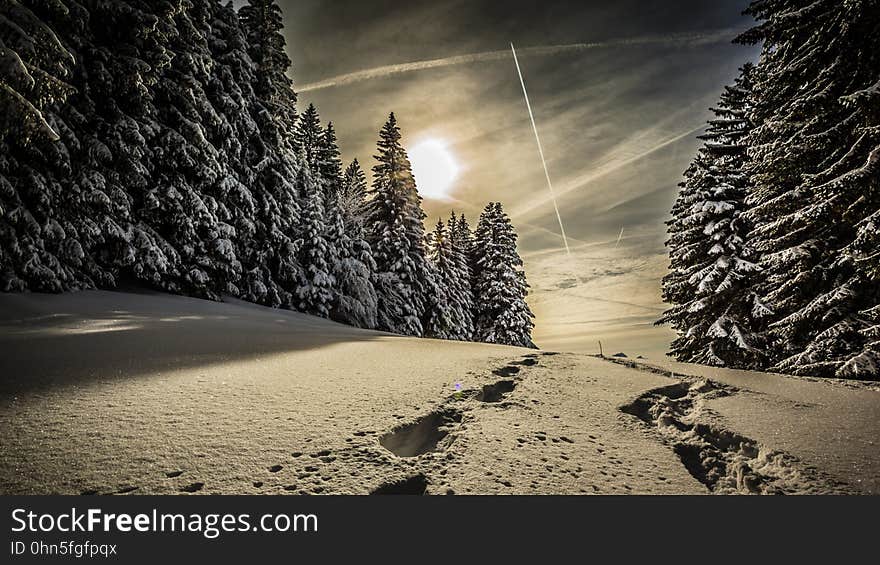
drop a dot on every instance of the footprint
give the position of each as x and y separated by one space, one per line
414 485
172 474
126 489
422 436
275 468
507 371
194 487
497 391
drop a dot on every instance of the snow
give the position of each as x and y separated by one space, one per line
831 424
113 392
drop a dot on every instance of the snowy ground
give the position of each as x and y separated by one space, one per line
147 393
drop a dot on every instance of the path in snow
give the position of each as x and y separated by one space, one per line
148 393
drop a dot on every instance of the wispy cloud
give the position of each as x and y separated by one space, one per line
606 168
683 39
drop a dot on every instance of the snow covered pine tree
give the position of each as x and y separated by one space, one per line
351 266
70 225
449 315
353 192
307 136
166 148
396 232
181 204
460 242
815 166
500 288
34 68
356 301
273 270
713 311
315 291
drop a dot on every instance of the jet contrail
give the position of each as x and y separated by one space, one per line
540 149
604 170
619 237
690 39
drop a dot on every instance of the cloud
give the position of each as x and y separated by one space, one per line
606 168
683 39
617 119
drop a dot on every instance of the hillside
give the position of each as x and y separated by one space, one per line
109 392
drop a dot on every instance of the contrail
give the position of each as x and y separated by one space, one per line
540 149
606 169
619 237
688 39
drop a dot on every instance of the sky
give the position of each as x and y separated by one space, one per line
620 91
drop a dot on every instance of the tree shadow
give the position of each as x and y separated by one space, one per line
49 340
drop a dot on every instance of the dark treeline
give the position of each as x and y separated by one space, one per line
775 236
160 142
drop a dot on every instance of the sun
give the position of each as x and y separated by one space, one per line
434 168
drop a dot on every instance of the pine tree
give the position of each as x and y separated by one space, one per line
307 137
463 242
356 299
330 167
463 235
165 168
439 322
711 268
170 152
115 108
237 137
866 362
274 272
814 157
319 149
449 312
34 66
482 234
316 255
88 180
34 70
395 233
263 24
502 314
353 192
182 204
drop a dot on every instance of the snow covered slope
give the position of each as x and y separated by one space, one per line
833 425
108 392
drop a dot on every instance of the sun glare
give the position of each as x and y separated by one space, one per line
434 167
